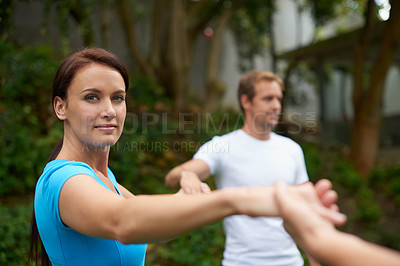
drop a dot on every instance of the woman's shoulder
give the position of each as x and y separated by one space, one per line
63 169
58 164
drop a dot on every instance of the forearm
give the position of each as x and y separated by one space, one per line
338 248
154 218
196 166
159 217
173 177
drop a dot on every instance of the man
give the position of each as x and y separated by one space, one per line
250 156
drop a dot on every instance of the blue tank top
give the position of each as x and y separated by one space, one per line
64 245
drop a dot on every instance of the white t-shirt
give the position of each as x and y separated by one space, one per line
237 159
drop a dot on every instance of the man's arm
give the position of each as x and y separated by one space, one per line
189 177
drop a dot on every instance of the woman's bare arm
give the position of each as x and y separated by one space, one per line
93 210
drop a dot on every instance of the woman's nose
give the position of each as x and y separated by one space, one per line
108 110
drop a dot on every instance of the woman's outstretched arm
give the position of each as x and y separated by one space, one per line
91 209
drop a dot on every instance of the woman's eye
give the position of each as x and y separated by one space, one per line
91 97
119 98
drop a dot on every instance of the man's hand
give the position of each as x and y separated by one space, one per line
191 183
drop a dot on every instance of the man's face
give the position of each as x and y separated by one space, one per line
265 107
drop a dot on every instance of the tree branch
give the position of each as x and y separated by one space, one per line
105 23
361 53
123 8
389 47
157 18
84 26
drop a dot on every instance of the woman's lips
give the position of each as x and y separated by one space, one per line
106 127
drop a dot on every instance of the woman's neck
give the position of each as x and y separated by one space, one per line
95 156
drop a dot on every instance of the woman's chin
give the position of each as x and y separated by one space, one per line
103 144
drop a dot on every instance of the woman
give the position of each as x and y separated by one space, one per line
83 216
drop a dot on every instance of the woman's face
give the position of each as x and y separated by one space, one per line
95 109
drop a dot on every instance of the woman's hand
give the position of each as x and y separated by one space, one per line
313 208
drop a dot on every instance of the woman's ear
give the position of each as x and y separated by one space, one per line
59 106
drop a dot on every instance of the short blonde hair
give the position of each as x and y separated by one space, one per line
248 80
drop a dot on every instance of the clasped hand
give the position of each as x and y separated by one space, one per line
313 208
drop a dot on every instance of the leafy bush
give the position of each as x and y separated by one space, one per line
14 234
368 209
146 92
387 180
25 80
313 161
346 175
371 203
202 247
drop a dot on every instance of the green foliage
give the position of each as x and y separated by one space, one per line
81 11
323 10
252 26
371 204
25 80
201 247
313 161
220 122
387 180
346 175
5 17
368 209
146 92
14 234
394 189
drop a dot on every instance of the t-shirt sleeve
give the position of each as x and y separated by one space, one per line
53 184
210 152
301 171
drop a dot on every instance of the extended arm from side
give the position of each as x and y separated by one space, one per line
91 209
309 226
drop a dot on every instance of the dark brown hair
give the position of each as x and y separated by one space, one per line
250 79
62 81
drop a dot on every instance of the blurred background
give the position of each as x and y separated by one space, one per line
339 59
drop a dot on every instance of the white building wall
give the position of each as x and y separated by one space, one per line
339 107
391 102
291 29
229 71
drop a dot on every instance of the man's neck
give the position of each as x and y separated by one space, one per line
259 134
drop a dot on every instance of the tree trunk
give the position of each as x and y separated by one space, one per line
368 102
215 88
282 127
271 35
124 12
105 23
364 140
177 54
175 26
